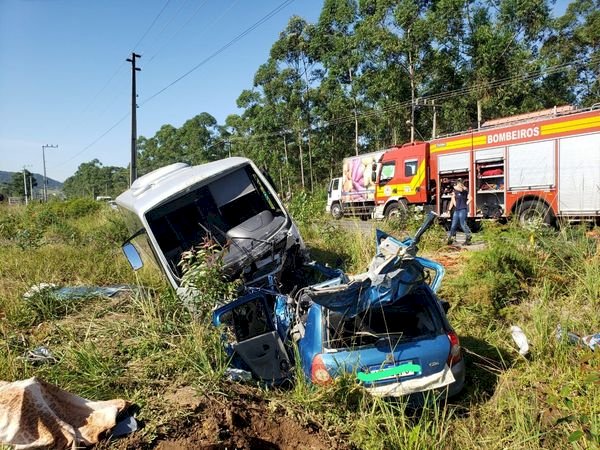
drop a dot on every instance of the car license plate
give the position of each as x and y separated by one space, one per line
390 371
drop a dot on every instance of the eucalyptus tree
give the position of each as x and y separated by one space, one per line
335 47
196 137
92 179
159 150
572 54
293 55
502 50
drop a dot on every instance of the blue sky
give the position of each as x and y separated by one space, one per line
64 79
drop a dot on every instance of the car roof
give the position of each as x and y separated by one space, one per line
161 184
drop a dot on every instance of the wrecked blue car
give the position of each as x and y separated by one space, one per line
386 327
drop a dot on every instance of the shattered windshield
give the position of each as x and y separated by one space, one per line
211 210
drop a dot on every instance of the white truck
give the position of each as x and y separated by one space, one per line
177 207
353 194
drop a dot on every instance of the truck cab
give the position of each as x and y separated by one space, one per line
334 198
230 202
401 179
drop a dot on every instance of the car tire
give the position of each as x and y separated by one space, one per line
336 211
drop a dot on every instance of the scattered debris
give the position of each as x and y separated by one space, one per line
39 355
572 338
76 292
591 341
38 414
520 339
38 289
125 426
234 374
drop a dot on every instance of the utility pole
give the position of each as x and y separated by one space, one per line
25 185
434 131
133 165
44 147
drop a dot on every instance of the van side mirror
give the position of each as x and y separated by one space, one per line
374 173
132 255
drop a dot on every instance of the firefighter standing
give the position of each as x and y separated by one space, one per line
460 201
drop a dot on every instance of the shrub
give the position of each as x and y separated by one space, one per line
203 275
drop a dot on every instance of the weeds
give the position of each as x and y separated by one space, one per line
142 345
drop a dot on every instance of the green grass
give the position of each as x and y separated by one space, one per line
139 346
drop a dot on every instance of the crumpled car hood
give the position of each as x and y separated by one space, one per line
392 274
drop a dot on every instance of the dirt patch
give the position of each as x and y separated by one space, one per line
244 421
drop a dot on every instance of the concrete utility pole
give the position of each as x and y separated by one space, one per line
44 147
133 165
25 185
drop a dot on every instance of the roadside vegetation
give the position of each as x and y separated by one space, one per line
145 347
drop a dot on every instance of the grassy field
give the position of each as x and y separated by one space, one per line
146 348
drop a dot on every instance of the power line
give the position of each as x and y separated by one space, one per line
207 59
204 28
166 41
222 49
91 144
152 24
105 86
441 96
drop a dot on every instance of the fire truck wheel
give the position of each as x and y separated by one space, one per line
336 211
395 211
534 213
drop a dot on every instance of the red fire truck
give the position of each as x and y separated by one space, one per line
540 166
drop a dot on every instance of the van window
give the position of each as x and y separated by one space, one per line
335 184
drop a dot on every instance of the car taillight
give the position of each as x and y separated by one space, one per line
455 354
318 371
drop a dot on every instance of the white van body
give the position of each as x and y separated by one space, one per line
178 207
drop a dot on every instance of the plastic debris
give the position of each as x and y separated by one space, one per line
125 426
520 339
38 289
233 374
591 341
76 292
39 355
571 338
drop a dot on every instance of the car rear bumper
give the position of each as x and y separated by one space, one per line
452 379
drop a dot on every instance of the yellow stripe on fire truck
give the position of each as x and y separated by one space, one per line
404 189
570 125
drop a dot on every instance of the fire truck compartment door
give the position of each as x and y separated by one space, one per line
579 174
531 165
456 161
490 153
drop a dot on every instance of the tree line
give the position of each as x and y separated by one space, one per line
367 71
